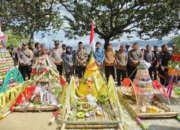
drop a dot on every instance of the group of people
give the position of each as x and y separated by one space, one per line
124 61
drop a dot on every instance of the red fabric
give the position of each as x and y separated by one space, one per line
126 82
62 81
34 72
175 59
92 33
157 85
11 108
27 94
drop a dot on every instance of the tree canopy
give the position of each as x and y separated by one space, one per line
27 17
13 40
113 18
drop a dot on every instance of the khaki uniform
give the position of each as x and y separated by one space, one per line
25 56
57 55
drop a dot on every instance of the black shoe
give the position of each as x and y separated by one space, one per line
118 84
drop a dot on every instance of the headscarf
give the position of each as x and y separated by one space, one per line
70 52
99 55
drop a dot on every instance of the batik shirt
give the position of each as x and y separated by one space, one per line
81 55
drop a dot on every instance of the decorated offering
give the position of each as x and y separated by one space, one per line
173 76
45 89
88 99
140 99
92 82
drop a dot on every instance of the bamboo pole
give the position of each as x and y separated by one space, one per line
89 127
64 118
119 109
64 124
90 122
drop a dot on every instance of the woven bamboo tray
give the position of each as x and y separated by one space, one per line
146 115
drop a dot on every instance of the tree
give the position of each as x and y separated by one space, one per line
13 40
153 18
27 17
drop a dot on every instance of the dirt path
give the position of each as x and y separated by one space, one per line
28 121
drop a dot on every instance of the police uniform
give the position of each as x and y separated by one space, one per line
163 61
25 56
56 55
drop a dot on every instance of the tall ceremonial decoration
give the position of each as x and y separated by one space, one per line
11 79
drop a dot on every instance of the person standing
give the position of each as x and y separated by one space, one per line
36 51
134 55
121 63
150 58
164 57
64 47
127 51
14 56
25 60
81 57
56 56
156 63
69 59
64 51
109 61
174 47
99 56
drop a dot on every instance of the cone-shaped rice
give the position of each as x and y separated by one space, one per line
92 82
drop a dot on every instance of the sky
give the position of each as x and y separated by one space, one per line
48 40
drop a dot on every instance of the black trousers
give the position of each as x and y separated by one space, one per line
109 69
150 72
132 72
128 70
81 70
59 68
119 73
163 73
155 70
25 70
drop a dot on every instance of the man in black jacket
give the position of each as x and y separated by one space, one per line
14 56
156 63
164 57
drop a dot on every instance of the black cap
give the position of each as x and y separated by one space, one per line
109 44
63 44
56 42
24 44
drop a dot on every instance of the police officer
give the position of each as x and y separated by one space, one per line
56 56
164 57
36 51
25 60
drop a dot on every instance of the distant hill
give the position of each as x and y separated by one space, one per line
144 43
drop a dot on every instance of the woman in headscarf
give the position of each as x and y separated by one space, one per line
99 56
69 59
